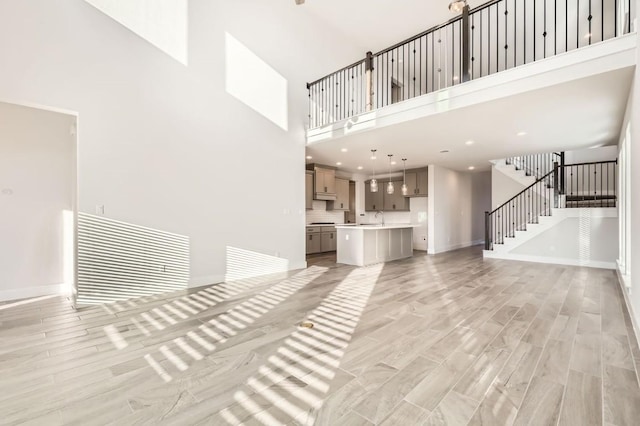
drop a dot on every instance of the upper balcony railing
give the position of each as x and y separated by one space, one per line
490 38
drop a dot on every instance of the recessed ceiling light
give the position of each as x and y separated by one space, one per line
444 151
587 35
373 157
469 143
338 164
455 78
522 133
344 150
471 168
393 163
309 157
360 167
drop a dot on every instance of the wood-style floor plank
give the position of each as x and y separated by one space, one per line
448 339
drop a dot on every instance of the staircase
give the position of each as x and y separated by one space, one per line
584 192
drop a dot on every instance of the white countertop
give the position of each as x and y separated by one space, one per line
376 226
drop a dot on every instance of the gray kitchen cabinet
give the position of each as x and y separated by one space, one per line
373 201
325 184
395 201
342 196
314 243
308 182
417 183
328 242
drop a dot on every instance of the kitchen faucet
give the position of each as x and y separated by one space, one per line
381 213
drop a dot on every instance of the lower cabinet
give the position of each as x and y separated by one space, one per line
313 243
321 240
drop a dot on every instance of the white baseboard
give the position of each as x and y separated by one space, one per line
27 292
205 280
452 247
624 281
216 279
553 260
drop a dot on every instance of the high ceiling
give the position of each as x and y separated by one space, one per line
376 24
578 114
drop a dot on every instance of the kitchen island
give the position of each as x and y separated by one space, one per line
363 245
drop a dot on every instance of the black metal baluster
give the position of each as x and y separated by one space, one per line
555 27
566 25
506 36
578 24
414 68
473 45
534 30
601 20
497 40
481 45
544 28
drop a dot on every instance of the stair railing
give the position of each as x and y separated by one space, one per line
525 207
589 184
536 165
578 185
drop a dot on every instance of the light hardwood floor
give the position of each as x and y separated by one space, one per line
450 339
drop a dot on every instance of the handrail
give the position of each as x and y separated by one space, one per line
521 192
591 163
355 64
422 34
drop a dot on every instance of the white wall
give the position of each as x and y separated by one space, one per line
503 187
457 202
321 214
37 184
165 145
603 153
585 240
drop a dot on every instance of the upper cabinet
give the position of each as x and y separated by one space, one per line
417 183
325 182
342 196
395 201
373 201
308 185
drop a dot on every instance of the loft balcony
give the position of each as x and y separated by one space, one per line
506 43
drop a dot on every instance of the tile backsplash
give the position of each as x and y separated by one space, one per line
321 214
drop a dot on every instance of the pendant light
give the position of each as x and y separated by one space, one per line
390 188
374 183
405 188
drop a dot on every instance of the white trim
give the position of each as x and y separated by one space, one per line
623 280
205 281
27 292
40 106
208 280
490 254
457 246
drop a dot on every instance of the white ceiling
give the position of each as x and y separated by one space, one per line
376 24
579 114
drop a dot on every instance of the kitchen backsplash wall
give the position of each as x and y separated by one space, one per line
321 214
